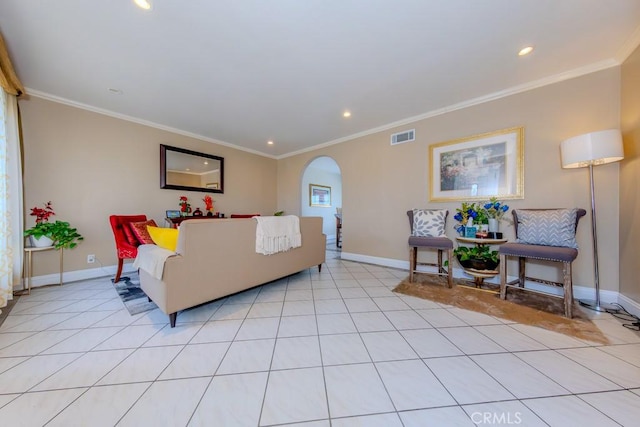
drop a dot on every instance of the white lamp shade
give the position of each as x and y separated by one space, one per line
595 148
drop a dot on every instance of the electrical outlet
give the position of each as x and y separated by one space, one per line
91 259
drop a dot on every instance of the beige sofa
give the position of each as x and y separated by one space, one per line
217 257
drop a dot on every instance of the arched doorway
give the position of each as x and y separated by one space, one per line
323 174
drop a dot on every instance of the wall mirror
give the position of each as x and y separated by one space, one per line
182 169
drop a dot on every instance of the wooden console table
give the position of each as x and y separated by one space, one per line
175 222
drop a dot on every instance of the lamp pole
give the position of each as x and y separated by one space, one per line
595 304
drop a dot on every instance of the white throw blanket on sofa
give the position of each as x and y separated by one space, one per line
151 259
277 234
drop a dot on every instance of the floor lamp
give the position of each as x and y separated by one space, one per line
589 150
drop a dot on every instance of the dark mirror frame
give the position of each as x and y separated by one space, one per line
163 170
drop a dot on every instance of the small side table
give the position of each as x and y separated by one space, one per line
28 266
480 275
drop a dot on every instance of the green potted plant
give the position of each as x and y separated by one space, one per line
45 233
479 257
482 218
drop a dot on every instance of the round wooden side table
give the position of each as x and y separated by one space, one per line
480 275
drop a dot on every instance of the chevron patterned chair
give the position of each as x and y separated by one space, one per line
546 235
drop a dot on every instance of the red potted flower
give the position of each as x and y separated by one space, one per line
208 204
185 206
46 233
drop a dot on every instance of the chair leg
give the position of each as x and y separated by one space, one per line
503 276
521 271
449 268
413 254
568 290
119 272
440 270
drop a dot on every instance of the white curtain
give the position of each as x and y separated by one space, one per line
11 241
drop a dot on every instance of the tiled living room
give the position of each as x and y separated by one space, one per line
316 349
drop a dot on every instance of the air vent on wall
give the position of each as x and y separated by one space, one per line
406 136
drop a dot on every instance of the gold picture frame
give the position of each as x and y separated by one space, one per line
319 196
478 167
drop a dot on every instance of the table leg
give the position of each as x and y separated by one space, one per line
29 271
479 281
61 262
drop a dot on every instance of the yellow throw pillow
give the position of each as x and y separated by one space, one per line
166 238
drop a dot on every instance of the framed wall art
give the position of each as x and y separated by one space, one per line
319 196
478 167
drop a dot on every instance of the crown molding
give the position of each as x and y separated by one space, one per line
628 47
54 98
567 75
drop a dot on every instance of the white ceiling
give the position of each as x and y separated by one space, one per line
243 72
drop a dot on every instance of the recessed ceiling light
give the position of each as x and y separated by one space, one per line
206 162
525 51
143 4
346 114
270 142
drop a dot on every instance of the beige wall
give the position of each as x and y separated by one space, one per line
92 166
374 203
630 178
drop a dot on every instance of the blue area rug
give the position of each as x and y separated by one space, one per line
132 296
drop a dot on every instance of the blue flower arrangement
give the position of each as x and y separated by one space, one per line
495 209
468 210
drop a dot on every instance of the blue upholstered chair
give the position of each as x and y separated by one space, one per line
439 243
547 235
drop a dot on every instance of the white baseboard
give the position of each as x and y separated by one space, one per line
628 304
74 276
579 292
385 262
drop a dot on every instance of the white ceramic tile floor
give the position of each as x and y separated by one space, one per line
335 348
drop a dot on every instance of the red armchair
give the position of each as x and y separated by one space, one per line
125 246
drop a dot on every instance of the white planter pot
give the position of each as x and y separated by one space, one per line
493 225
41 242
